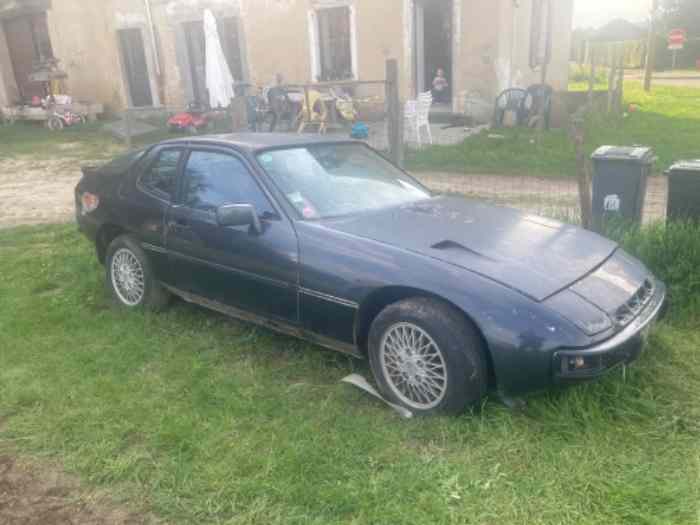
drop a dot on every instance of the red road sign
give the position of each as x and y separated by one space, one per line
677 37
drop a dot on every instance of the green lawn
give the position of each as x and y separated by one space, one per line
206 420
86 142
668 120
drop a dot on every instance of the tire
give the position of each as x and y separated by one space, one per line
55 123
450 374
134 285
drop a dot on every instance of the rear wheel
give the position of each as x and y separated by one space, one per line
130 276
426 356
55 123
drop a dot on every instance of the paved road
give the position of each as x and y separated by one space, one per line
682 79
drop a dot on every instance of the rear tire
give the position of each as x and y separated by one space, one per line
426 356
130 276
55 123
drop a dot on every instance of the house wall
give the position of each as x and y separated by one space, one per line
478 52
83 38
277 39
519 22
8 87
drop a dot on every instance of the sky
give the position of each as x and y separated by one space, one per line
595 13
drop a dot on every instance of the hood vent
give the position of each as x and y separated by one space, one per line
452 245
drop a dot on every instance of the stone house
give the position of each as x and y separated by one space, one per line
151 52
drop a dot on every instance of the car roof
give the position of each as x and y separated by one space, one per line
260 141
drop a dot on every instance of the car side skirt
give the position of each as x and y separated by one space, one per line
266 322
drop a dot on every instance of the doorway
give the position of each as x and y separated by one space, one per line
433 28
196 55
135 67
29 44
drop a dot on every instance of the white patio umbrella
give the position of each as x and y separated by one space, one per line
219 77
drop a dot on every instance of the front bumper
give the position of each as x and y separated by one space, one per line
622 348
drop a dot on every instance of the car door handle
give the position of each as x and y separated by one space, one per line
179 225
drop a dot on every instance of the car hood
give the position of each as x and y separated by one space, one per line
533 255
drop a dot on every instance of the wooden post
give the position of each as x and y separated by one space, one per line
620 101
541 124
651 47
582 169
591 80
307 101
127 128
612 54
394 113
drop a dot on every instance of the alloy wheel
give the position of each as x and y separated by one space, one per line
413 366
128 277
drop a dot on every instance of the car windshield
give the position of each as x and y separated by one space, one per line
330 180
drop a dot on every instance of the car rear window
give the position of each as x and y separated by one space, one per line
124 162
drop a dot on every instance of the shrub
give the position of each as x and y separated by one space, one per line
581 73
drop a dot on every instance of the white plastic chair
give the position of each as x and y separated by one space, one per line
417 116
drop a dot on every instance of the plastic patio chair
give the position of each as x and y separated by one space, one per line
417 116
537 96
512 99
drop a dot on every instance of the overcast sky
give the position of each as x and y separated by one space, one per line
595 13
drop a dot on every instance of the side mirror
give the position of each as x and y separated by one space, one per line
238 215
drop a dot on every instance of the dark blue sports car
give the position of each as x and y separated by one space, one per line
328 241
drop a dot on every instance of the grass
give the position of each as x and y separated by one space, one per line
88 141
205 420
668 120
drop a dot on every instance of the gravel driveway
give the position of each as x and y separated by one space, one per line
37 192
41 191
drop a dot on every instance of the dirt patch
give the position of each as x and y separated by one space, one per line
33 495
37 192
41 191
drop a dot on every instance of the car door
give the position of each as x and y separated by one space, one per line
148 194
236 266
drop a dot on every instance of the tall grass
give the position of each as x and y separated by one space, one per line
672 252
201 419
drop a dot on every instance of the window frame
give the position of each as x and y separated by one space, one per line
315 38
180 202
151 159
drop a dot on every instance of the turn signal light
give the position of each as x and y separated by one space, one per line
89 202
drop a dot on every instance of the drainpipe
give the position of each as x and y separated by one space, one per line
152 32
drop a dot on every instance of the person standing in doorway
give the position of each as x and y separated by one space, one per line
440 87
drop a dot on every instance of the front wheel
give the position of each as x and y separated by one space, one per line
131 278
426 356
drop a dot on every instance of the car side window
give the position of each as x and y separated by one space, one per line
214 179
161 176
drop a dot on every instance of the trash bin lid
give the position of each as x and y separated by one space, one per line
638 154
686 165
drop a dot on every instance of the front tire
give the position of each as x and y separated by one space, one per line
130 276
426 356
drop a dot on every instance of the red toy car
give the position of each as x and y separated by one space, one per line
192 121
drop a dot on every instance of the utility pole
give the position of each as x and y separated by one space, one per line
651 47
